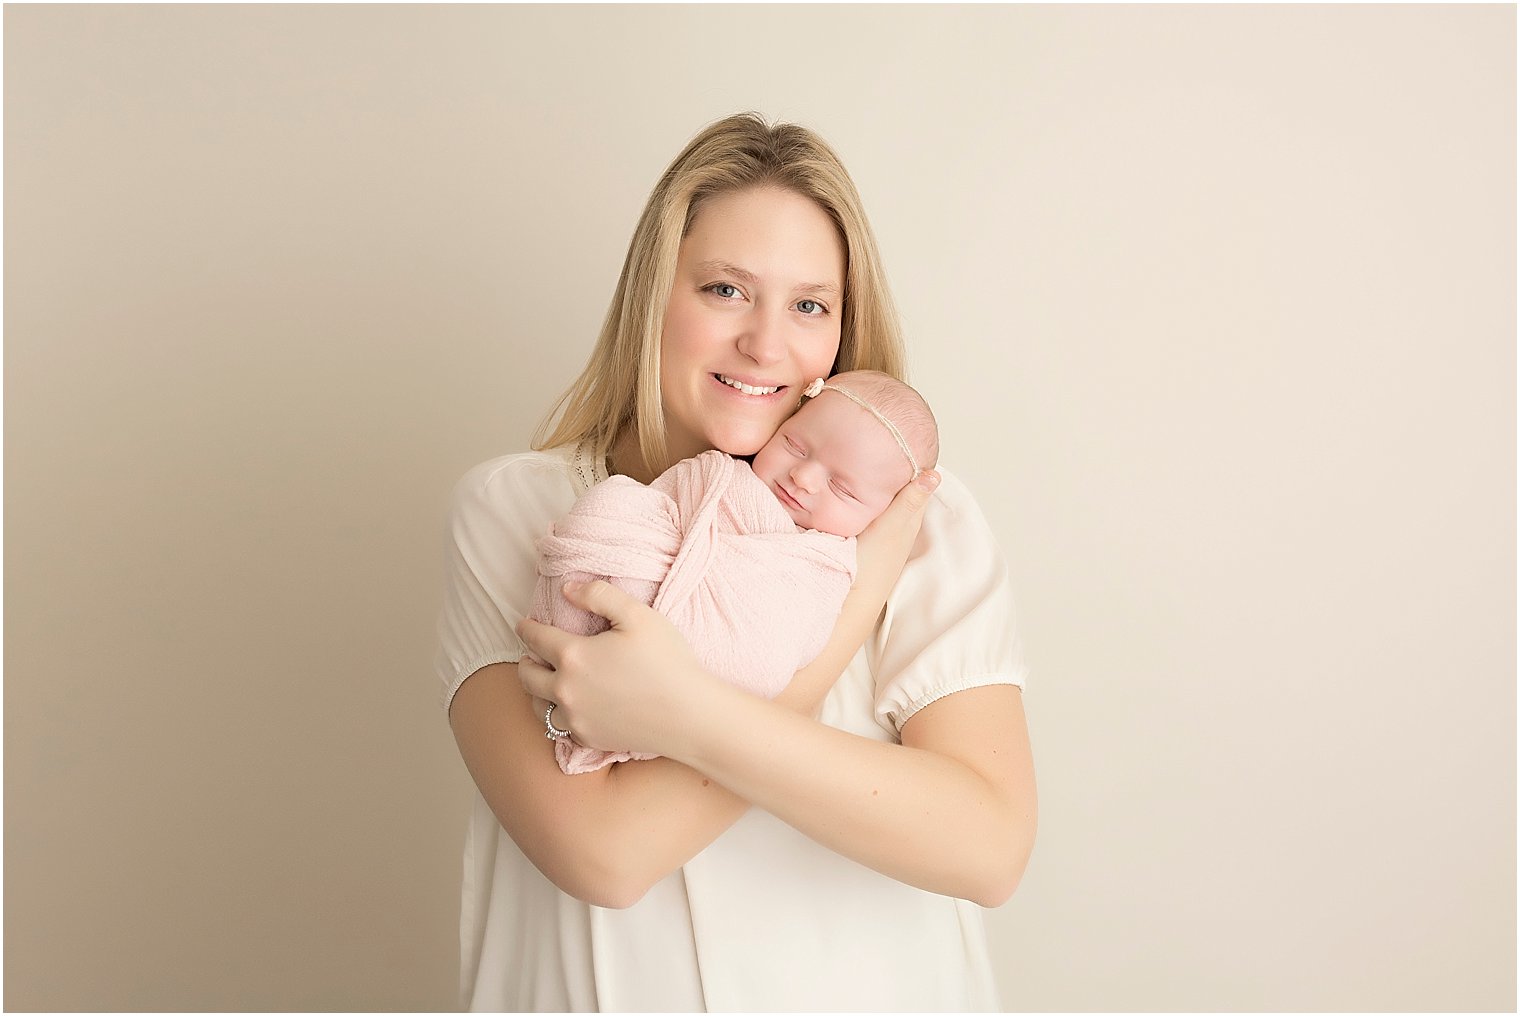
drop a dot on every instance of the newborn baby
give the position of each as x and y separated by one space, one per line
750 563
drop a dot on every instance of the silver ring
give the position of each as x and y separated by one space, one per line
552 732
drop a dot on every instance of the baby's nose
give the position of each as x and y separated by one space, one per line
805 475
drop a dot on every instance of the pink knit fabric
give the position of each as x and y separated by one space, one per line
709 546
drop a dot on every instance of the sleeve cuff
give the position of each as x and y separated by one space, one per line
501 656
901 716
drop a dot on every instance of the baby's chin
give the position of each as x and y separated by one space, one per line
807 523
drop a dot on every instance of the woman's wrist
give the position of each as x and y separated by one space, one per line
714 709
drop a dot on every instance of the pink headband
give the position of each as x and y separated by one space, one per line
816 387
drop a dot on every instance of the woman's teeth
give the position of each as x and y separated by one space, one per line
747 389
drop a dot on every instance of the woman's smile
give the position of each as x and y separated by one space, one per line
750 388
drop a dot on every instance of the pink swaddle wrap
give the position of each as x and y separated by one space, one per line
709 546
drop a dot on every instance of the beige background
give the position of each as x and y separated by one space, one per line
1217 308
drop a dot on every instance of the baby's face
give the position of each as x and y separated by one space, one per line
833 466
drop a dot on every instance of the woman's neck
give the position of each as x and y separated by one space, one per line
625 459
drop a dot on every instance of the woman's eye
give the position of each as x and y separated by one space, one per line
812 308
725 290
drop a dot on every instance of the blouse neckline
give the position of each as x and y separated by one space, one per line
589 468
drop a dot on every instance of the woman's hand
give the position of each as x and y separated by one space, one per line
880 553
883 549
634 687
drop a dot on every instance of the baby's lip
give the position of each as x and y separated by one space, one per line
788 499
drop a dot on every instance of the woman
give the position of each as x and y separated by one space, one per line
769 861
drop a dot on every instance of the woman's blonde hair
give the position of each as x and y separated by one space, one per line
620 385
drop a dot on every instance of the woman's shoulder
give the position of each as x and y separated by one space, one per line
521 482
577 465
517 467
954 525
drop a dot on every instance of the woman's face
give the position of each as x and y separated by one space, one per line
757 303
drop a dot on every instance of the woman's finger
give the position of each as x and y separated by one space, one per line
604 599
537 680
912 498
905 514
543 640
887 542
541 706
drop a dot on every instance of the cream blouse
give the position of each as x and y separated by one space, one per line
764 919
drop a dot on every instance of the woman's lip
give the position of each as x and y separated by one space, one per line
749 379
717 380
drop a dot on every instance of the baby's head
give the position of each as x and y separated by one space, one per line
836 464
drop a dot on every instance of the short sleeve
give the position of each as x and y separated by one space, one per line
949 623
500 509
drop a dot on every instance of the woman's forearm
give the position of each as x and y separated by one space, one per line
676 811
605 836
959 826
955 815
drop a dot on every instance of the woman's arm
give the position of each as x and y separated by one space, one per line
607 836
599 836
951 809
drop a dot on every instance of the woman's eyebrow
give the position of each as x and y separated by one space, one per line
749 277
728 267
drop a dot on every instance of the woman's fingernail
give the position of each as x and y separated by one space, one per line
928 479
572 586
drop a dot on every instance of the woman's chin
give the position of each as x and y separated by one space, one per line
739 442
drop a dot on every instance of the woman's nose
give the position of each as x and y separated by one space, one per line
762 340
